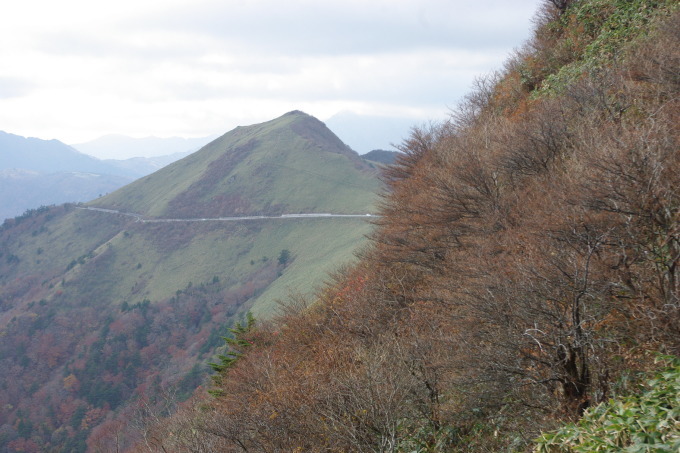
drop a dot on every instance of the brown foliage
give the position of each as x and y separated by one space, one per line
527 257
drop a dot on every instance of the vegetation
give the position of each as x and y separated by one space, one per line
522 276
235 344
103 318
524 270
648 421
292 164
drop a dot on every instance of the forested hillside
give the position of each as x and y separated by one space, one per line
524 269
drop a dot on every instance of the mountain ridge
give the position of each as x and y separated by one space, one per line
524 273
254 170
36 172
98 309
47 156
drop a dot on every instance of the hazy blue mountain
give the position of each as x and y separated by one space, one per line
142 166
36 172
47 156
21 189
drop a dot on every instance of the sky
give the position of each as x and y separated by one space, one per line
75 70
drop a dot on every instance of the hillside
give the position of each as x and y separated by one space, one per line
523 273
292 164
99 310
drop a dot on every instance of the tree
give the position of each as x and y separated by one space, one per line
284 256
235 344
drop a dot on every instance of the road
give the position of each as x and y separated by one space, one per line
142 219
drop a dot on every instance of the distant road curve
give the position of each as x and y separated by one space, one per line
140 218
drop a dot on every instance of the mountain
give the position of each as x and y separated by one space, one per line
141 166
293 164
364 133
46 156
100 307
521 289
35 172
381 156
21 190
122 147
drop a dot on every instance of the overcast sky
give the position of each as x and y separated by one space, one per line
78 69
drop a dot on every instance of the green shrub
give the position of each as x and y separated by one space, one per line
646 422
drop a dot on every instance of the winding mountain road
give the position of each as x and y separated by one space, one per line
142 219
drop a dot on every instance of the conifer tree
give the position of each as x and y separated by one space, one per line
234 344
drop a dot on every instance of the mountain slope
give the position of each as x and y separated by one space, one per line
98 309
525 269
291 164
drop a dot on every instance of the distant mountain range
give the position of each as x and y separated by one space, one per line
25 189
99 309
35 172
136 167
381 156
47 156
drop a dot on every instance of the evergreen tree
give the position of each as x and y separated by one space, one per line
234 344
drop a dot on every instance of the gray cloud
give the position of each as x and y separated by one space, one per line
332 28
271 36
74 43
341 79
199 63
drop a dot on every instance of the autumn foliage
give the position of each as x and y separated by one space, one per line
524 268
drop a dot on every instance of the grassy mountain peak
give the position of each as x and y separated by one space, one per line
290 164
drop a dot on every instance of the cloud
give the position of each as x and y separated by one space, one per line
152 47
195 67
350 27
13 87
299 28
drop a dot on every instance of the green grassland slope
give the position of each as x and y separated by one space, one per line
98 310
288 165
